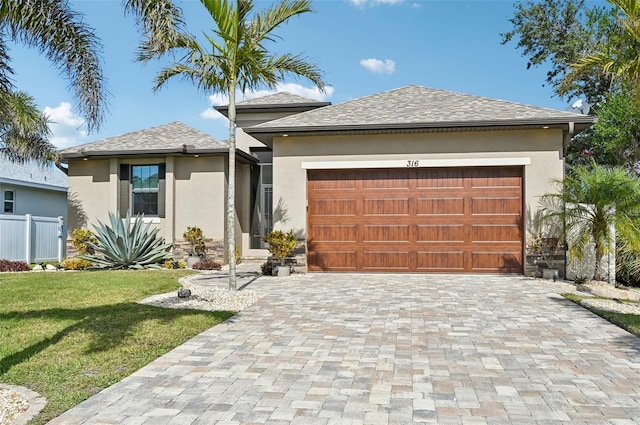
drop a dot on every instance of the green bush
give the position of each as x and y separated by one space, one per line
75 264
195 237
128 245
173 265
281 244
79 239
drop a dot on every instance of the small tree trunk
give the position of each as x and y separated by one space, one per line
231 190
598 256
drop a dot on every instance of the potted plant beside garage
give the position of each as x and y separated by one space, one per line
195 237
281 245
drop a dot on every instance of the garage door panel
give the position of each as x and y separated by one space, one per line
429 220
440 179
496 233
440 206
385 233
332 207
496 205
334 233
385 207
386 260
450 233
385 180
497 262
440 261
333 261
495 178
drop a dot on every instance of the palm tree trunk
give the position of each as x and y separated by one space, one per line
598 258
231 189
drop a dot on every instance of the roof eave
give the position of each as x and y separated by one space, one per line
580 123
294 107
34 185
186 150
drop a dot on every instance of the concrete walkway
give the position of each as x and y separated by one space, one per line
389 349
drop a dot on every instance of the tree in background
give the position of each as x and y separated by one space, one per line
235 57
619 54
62 36
560 34
557 33
615 139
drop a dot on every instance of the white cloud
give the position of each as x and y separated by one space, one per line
378 66
363 3
293 88
65 125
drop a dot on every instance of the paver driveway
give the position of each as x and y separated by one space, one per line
389 349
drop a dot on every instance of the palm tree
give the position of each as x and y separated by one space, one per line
620 57
24 129
62 36
235 58
592 199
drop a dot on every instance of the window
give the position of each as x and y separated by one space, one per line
144 189
9 201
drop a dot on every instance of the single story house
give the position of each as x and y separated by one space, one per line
409 180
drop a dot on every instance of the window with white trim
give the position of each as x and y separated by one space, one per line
9 198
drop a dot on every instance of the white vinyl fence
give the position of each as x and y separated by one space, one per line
31 239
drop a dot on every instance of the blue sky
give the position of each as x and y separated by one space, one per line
363 47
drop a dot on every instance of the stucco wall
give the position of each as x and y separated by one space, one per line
199 195
542 147
88 193
195 193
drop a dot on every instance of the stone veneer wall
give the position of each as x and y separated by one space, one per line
215 249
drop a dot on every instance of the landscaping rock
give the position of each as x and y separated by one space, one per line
184 293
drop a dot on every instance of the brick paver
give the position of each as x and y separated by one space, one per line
389 349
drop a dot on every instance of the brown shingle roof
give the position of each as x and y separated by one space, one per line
418 107
175 137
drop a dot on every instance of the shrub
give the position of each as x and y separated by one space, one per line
267 268
75 264
128 245
13 266
175 265
207 264
195 237
281 244
79 239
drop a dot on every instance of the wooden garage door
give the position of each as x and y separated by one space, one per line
453 220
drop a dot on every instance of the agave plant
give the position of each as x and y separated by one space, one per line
127 245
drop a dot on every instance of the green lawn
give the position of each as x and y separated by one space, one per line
629 322
67 335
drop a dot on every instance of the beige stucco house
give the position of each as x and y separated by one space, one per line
410 180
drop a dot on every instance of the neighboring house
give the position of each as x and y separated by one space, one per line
30 188
40 192
410 180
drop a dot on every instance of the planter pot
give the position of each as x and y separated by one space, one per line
550 273
191 261
283 271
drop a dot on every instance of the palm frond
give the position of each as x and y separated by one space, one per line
61 34
160 21
24 130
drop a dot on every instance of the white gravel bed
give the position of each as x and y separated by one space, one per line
611 305
209 299
11 405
